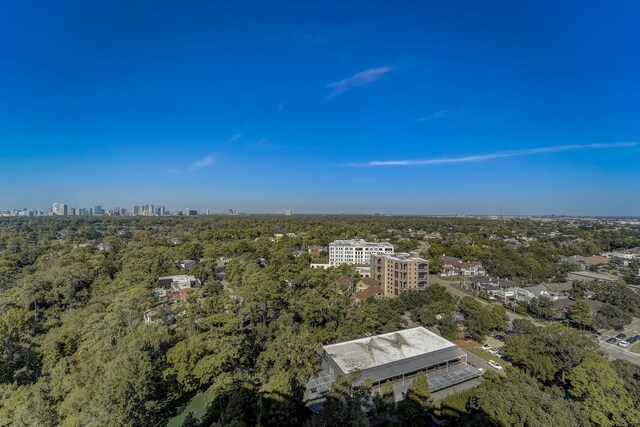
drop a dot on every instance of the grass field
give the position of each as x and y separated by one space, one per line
635 348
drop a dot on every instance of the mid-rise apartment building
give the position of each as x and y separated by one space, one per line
356 251
399 272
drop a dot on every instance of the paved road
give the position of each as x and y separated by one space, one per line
479 362
612 350
618 352
451 287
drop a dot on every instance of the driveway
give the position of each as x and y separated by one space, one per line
479 362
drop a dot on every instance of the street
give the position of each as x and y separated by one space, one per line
612 350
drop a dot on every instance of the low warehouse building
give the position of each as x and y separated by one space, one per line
398 357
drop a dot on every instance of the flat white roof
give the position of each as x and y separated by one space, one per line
379 350
360 242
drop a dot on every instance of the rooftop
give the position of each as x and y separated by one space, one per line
401 256
359 242
379 350
592 275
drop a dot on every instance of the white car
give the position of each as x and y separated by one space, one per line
485 347
481 371
494 365
493 351
623 344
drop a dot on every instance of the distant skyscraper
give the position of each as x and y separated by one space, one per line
54 208
287 212
209 211
98 210
62 209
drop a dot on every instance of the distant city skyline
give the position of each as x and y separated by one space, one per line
399 108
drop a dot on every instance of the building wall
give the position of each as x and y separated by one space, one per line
398 273
355 251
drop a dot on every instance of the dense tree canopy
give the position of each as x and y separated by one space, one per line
74 349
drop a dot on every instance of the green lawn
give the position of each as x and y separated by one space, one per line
635 348
486 356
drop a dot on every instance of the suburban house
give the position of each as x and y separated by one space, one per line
455 267
169 284
566 304
315 251
516 294
491 285
373 291
585 263
187 263
366 282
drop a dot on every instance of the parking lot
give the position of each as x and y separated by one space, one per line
631 330
612 348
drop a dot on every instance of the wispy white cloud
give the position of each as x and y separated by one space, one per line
358 79
201 164
491 156
235 136
440 114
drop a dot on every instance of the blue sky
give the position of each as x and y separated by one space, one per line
336 107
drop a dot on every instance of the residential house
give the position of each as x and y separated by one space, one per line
566 304
177 283
455 267
315 251
491 285
187 263
372 291
366 282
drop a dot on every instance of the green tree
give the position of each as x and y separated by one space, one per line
384 403
601 393
520 401
349 400
549 353
448 327
581 314
417 403
18 360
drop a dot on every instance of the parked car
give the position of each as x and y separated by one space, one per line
485 347
623 344
612 340
481 371
499 337
621 336
631 340
494 365
493 351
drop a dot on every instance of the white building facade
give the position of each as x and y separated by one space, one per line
356 251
